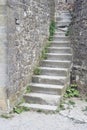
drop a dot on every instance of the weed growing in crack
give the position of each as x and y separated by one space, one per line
39 110
67 33
20 109
71 103
72 91
62 107
28 89
51 30
37 71
6 116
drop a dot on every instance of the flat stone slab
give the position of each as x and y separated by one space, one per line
77 111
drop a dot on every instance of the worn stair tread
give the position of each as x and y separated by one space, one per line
40 107
50 77
57 61
42 95
62 29
55 54
59 47
59 31
46 85
42 98
55 41
50 68
61 36
62 21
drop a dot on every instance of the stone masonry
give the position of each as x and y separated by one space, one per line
79 42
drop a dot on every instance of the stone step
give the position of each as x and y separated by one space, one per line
40 98
65 14
59 56
38 107
62 18
60 34
61 23
62 29
60 44
53 71
45 79
55 63
47 88
58 38
61 38
59 49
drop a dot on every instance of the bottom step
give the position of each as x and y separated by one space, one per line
40 107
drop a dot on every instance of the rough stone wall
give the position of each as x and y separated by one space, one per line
27 32
79 42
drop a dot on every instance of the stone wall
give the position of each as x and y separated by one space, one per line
27 31
79 42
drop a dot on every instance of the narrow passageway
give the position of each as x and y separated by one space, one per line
48 87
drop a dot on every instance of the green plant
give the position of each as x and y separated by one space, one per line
48 44
71 103
44 55
51 30
28 90
37 71
62 107
39 110
46 50
67 33
6 116
20 109
72 91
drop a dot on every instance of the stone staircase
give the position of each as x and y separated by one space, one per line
48 88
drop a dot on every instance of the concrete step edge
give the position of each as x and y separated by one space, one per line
40 107
57 61
51 68
50 77
55 41
47 86
59 54
59 48
42 95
